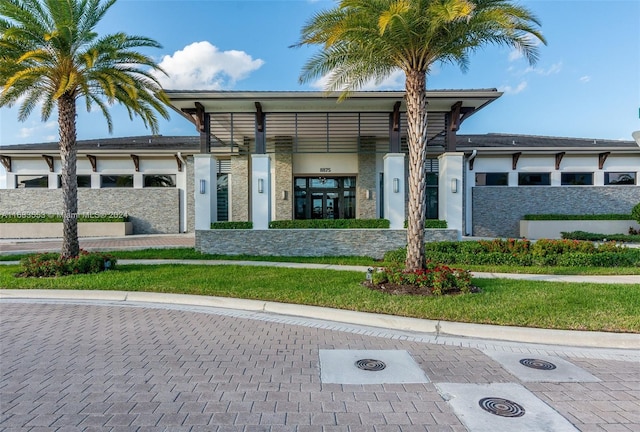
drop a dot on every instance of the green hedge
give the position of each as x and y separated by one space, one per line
525 253
431 223
582 235
56 218
329 224
231 225
533 217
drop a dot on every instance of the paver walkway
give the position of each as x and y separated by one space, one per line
100 366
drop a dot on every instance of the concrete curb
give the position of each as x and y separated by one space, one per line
389 322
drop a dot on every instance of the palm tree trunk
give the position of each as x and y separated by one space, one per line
67 129
416 100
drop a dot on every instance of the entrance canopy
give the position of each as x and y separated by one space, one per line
315 122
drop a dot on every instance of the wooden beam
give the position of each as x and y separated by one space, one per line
49 160
6 162
259 117
94 162
454 124
200 123
559 157
514 160
602 158
396 116
136 162
179 162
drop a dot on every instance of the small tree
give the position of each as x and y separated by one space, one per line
51 54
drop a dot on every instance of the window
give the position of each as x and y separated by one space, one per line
84 181
159 180
222 196
619 178
492 179
32 181
116 181
534 179
576 179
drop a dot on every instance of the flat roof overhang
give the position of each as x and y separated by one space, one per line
299 102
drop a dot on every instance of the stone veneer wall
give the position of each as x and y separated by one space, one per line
239 188
283 182
190 197
311 242
366 208
152 211
497 210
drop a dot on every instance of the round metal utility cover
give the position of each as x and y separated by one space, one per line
537 364
501 407
370 365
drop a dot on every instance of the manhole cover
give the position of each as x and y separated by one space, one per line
370 365
538 364
501 407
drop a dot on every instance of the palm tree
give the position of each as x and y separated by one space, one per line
50 54
364 40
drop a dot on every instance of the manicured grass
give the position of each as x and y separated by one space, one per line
504 302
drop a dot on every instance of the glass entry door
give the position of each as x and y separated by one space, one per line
325 198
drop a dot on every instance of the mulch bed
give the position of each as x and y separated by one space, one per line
395 289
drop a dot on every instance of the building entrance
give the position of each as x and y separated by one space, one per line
325 198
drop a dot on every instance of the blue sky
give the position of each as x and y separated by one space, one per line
586 83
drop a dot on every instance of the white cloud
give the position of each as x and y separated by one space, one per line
515 55
203 66
551 70
513 90
585 79
395 81
34 128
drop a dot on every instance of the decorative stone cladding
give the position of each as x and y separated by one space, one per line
283 161
239 188
311 242
497 210
366 208
190 191
152 211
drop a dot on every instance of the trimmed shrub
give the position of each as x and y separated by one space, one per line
635 212
525 253
53 264
329 224
435 279
576 217
231 225
431 223
582 235
57 218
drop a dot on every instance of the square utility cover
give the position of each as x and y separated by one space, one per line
369 367
539 368
502 407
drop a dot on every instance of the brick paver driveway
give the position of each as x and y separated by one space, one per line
109 367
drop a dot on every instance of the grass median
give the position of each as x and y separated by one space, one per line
573 306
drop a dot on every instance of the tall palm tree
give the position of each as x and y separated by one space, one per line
50 54
369 39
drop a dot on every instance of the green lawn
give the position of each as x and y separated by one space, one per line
581 306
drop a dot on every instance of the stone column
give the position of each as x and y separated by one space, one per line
394 189
239 188
283 178
366 206
450 190
205 190
260 191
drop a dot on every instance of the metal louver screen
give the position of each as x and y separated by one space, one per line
224 166
236 131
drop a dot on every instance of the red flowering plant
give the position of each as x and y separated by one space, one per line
434 279
53 264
